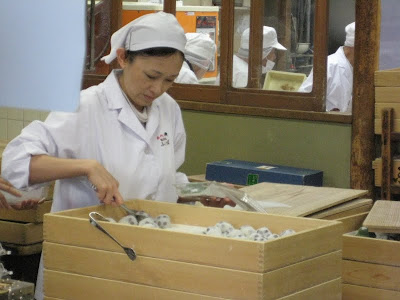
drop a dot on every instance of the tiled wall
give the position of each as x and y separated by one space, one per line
12 120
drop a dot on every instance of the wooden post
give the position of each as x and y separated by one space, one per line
387 167
365 64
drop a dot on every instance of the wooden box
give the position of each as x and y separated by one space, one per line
81 262
371 268
387 95
27 215
377 166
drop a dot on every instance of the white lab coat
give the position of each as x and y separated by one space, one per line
339 91
240 71
104 128
186 75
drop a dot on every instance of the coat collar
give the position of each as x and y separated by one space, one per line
117 101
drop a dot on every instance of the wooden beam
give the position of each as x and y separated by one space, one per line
368 15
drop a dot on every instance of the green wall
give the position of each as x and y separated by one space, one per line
296 143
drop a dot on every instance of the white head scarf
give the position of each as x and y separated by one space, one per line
270 40
350 34
200 50
149 31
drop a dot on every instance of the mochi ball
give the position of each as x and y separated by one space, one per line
273 236
264 231
148 221
287 232
257 237
111 220
163 221
129 219
225 227
247 230
213 231
140 215
236 234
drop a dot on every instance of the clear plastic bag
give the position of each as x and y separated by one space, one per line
39 194
214 189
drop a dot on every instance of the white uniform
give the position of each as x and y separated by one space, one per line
240 71
143 160
186 75
339 89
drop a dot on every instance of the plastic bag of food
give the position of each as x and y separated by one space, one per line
37 194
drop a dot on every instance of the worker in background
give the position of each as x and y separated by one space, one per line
199 58
241 58
339 87
127 138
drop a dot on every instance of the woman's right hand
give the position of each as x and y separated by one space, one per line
7 187
105 184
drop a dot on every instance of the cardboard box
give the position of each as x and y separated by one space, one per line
182 265
248 173
371 268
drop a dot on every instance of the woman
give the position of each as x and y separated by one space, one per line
127 137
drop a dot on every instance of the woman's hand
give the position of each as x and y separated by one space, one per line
105 185
7 187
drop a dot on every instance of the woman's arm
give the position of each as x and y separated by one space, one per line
45 168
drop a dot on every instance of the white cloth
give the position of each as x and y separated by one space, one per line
143 160
200 50
186 75
239 72
151 30
350 34
339 89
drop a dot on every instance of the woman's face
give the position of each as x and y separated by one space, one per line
148 77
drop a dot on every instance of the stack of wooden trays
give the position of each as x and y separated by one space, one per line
81 262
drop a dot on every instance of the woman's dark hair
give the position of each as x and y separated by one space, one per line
159 51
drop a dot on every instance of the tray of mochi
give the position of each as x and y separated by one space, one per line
220 229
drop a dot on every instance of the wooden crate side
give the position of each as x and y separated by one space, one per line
377 166
340 208
309 244
371 275
173 275
352 292
378 126
202 216
28 215
371 250
380 106
352 223
20 233
24 249
300 276
387 95
231 253
331 290
387 78
68 286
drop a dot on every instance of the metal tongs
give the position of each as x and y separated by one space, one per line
92 219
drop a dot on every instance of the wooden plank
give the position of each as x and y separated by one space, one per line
386 146
377 166
303 200
202 178
21 233
353 222
332 290
371 275
343 207
313 237
380 106
23 250
352 292
389 77
350 212
384 217
192 278
387 95
60 285
375 251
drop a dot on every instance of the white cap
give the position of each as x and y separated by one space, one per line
350 33
149 31
270 39
200 49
